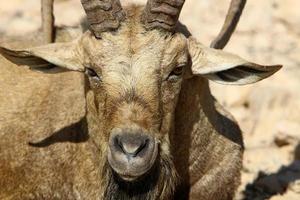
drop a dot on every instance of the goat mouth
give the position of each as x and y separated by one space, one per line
133 169
159 181
135 178
129 178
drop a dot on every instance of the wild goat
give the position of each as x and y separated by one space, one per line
141 123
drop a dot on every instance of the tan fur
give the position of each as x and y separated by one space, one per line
68 125
207 144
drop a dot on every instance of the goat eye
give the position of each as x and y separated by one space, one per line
178 71
90 72
93 76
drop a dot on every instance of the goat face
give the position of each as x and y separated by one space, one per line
134 78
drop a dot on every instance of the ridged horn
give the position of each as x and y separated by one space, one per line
47 20
233 16
162 14
103 15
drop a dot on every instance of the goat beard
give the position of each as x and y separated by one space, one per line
159 183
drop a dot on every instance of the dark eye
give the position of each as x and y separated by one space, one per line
178 70
90 72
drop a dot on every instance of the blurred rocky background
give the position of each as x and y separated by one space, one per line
268 112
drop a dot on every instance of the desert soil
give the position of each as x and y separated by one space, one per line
268 112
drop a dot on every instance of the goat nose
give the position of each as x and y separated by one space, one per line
131 154
131 145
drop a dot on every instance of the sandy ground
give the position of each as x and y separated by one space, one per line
268 112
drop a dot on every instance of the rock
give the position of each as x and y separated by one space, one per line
289 134
295 187
267 159
290 195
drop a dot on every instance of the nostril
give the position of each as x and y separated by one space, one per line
134 150
131 146
117 144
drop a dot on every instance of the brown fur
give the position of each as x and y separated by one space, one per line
54 132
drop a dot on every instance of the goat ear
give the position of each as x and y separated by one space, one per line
65 55
226 68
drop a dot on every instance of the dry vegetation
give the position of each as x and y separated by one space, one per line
268 112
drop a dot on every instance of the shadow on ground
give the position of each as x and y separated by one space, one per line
266 186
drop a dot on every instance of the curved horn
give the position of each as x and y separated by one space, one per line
47 20
231 21
103 15
162 14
